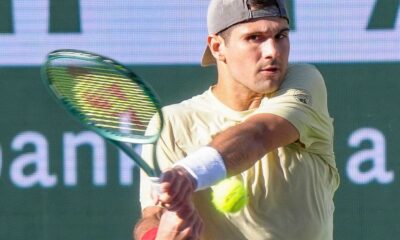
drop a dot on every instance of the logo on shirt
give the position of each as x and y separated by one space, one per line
303 97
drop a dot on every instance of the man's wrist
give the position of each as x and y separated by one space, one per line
205 165
187 174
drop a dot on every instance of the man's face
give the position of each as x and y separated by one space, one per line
256 54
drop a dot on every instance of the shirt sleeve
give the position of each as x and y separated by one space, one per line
302 100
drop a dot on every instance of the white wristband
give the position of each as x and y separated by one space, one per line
205 165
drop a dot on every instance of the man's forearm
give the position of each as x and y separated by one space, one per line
242 145
238 148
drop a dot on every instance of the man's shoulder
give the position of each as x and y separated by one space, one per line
303 69
303 76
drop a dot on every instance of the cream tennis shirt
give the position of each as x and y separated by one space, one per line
290 189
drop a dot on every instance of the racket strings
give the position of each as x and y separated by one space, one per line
106 98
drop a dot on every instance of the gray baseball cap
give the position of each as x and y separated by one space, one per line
225 13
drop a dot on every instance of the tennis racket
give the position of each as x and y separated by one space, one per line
106 97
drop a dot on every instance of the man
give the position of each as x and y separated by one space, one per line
265 122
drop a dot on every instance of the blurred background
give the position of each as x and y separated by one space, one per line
59 181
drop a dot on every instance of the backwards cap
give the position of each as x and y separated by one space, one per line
225 13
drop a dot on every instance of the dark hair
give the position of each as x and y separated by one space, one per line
253 5
258 4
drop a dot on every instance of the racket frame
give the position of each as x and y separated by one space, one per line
121 141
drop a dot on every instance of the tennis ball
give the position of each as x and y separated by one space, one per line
229 196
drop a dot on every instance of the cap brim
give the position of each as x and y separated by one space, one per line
208 58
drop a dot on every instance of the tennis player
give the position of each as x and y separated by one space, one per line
265 121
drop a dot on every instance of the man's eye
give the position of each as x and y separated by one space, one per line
281 36
254 38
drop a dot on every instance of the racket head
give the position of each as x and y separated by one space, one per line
104 95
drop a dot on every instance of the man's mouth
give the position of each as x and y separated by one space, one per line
271 69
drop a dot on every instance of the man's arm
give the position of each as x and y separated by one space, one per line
238 147
150 219
160 224
242 145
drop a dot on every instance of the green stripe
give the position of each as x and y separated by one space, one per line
6 16
65 16
384 14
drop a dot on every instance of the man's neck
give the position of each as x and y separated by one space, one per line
237 98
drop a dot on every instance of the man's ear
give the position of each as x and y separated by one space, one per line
216 44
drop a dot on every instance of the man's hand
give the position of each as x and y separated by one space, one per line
184 223
176 187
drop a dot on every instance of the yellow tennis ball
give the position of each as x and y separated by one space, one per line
229 196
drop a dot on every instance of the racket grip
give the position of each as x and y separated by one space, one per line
155 185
